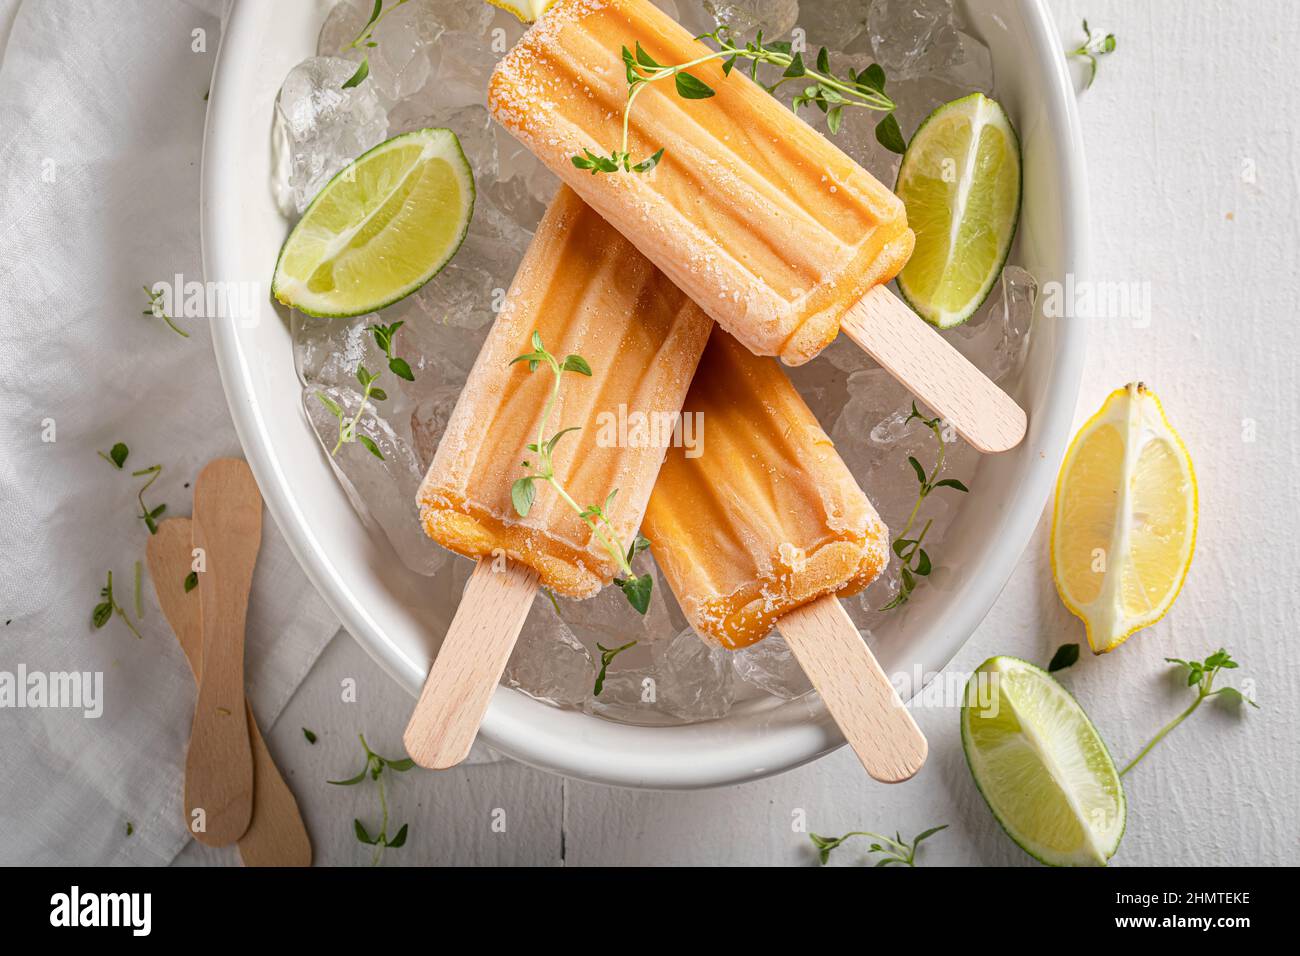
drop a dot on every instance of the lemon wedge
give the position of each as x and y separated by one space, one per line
528 11
1124 522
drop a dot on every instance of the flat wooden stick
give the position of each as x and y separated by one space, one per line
277 836
470 663
856 691
942 378
227 525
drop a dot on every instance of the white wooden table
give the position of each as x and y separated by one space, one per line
1195 169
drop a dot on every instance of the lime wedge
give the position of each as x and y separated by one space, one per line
1040 765
960 182
380 229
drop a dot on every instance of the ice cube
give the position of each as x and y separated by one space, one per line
472 125
384 491
912 37
996 337
694 677
548 662
465 62
342 27
775 18
403 43
770 665
470 290
610 620
834 23
323 127
629 696
328 351
429 421
463 15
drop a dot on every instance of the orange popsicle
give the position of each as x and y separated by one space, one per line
586 291
778 235
753 213
767 517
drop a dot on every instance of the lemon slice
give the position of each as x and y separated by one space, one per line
528 11
960 182
1041 766
380 229
1124 523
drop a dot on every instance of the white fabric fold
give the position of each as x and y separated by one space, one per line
101 124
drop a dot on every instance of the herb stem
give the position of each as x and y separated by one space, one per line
368 30
1203 693
350 428
117 608
545 470
139 603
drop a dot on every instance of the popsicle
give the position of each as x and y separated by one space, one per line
585 291
777 234
766 526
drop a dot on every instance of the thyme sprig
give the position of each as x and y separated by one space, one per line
149 515
374 769
1200 674
384 335
607 655
116 456
915 560
822 88
542 469
365 41
1092 49
895 851
156 310
107 607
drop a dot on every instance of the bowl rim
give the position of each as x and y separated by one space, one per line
575 744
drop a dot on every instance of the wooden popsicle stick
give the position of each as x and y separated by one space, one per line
855 690
913 352
277 835
227 525
470 663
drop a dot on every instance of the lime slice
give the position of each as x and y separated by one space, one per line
1040 765
528 11
380 229
960 182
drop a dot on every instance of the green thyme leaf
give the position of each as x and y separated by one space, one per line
607 655
116 455
890 136
371 447
637 590
576 363
1067 655
356 79
523 493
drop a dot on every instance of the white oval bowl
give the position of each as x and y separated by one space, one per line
386 607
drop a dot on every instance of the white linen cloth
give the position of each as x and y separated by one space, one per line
101 121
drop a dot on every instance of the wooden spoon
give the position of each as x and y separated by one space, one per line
227 526
277 835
